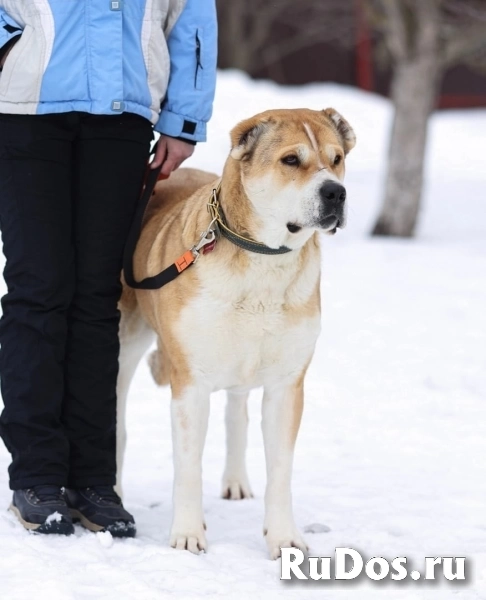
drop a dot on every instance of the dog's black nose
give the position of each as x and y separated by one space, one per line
333 192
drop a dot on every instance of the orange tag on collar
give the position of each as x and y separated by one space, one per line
184 261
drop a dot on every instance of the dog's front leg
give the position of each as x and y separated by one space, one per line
189 413
235 479
282 411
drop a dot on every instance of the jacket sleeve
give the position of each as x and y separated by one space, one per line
192 44
9 29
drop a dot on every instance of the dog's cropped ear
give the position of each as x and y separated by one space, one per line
245 136
344 129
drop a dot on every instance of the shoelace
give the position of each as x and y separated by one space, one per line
106 493
48 493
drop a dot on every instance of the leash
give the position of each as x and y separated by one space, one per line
206 243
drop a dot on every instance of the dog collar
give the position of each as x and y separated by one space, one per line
218 218
206 243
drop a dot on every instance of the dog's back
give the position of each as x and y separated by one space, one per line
180 186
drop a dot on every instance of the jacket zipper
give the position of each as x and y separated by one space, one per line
198 59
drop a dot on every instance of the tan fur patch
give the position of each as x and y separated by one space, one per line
298 405
171 226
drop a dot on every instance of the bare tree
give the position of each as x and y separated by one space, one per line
247 26
423 38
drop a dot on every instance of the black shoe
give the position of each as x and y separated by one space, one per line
99 508
42 509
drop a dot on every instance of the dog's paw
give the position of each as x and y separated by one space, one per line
236 488
284 538
192 539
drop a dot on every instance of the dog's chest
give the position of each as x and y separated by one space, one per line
244 331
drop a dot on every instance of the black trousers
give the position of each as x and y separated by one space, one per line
69 184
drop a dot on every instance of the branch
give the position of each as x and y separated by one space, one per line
262 14
428 25
464 43
471 9
279 50
310 12
266 12
394 28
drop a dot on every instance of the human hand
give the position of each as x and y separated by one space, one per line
170 153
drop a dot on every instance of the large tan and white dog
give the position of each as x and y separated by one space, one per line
238 319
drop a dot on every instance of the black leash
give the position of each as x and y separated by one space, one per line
167 275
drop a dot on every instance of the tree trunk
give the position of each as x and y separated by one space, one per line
414 90
416 77
235 51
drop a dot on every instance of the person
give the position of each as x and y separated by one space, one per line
83 85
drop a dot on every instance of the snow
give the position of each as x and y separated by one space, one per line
390 459
55 517
105 539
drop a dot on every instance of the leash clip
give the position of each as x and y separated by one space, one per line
207 237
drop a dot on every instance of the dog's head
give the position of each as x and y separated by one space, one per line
291 165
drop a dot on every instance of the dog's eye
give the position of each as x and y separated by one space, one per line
291 160
338 160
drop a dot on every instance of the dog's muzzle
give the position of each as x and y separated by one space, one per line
332 208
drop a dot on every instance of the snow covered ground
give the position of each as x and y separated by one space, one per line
391 453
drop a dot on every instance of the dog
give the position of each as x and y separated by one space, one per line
247 313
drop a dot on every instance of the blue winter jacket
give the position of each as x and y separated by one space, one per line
155 58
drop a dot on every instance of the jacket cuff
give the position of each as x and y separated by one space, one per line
6 47
177 126
182 139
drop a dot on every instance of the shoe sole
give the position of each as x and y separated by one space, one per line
115 531
55 527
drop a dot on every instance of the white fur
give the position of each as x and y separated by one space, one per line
132 348
246 318
279 526
276 206
248 343
314 144
189 425
235 485
237 336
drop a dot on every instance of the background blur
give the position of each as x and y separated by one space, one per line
296 42
423 54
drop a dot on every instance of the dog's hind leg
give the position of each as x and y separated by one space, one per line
159 365
189 412
282 410
235 478
135 339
